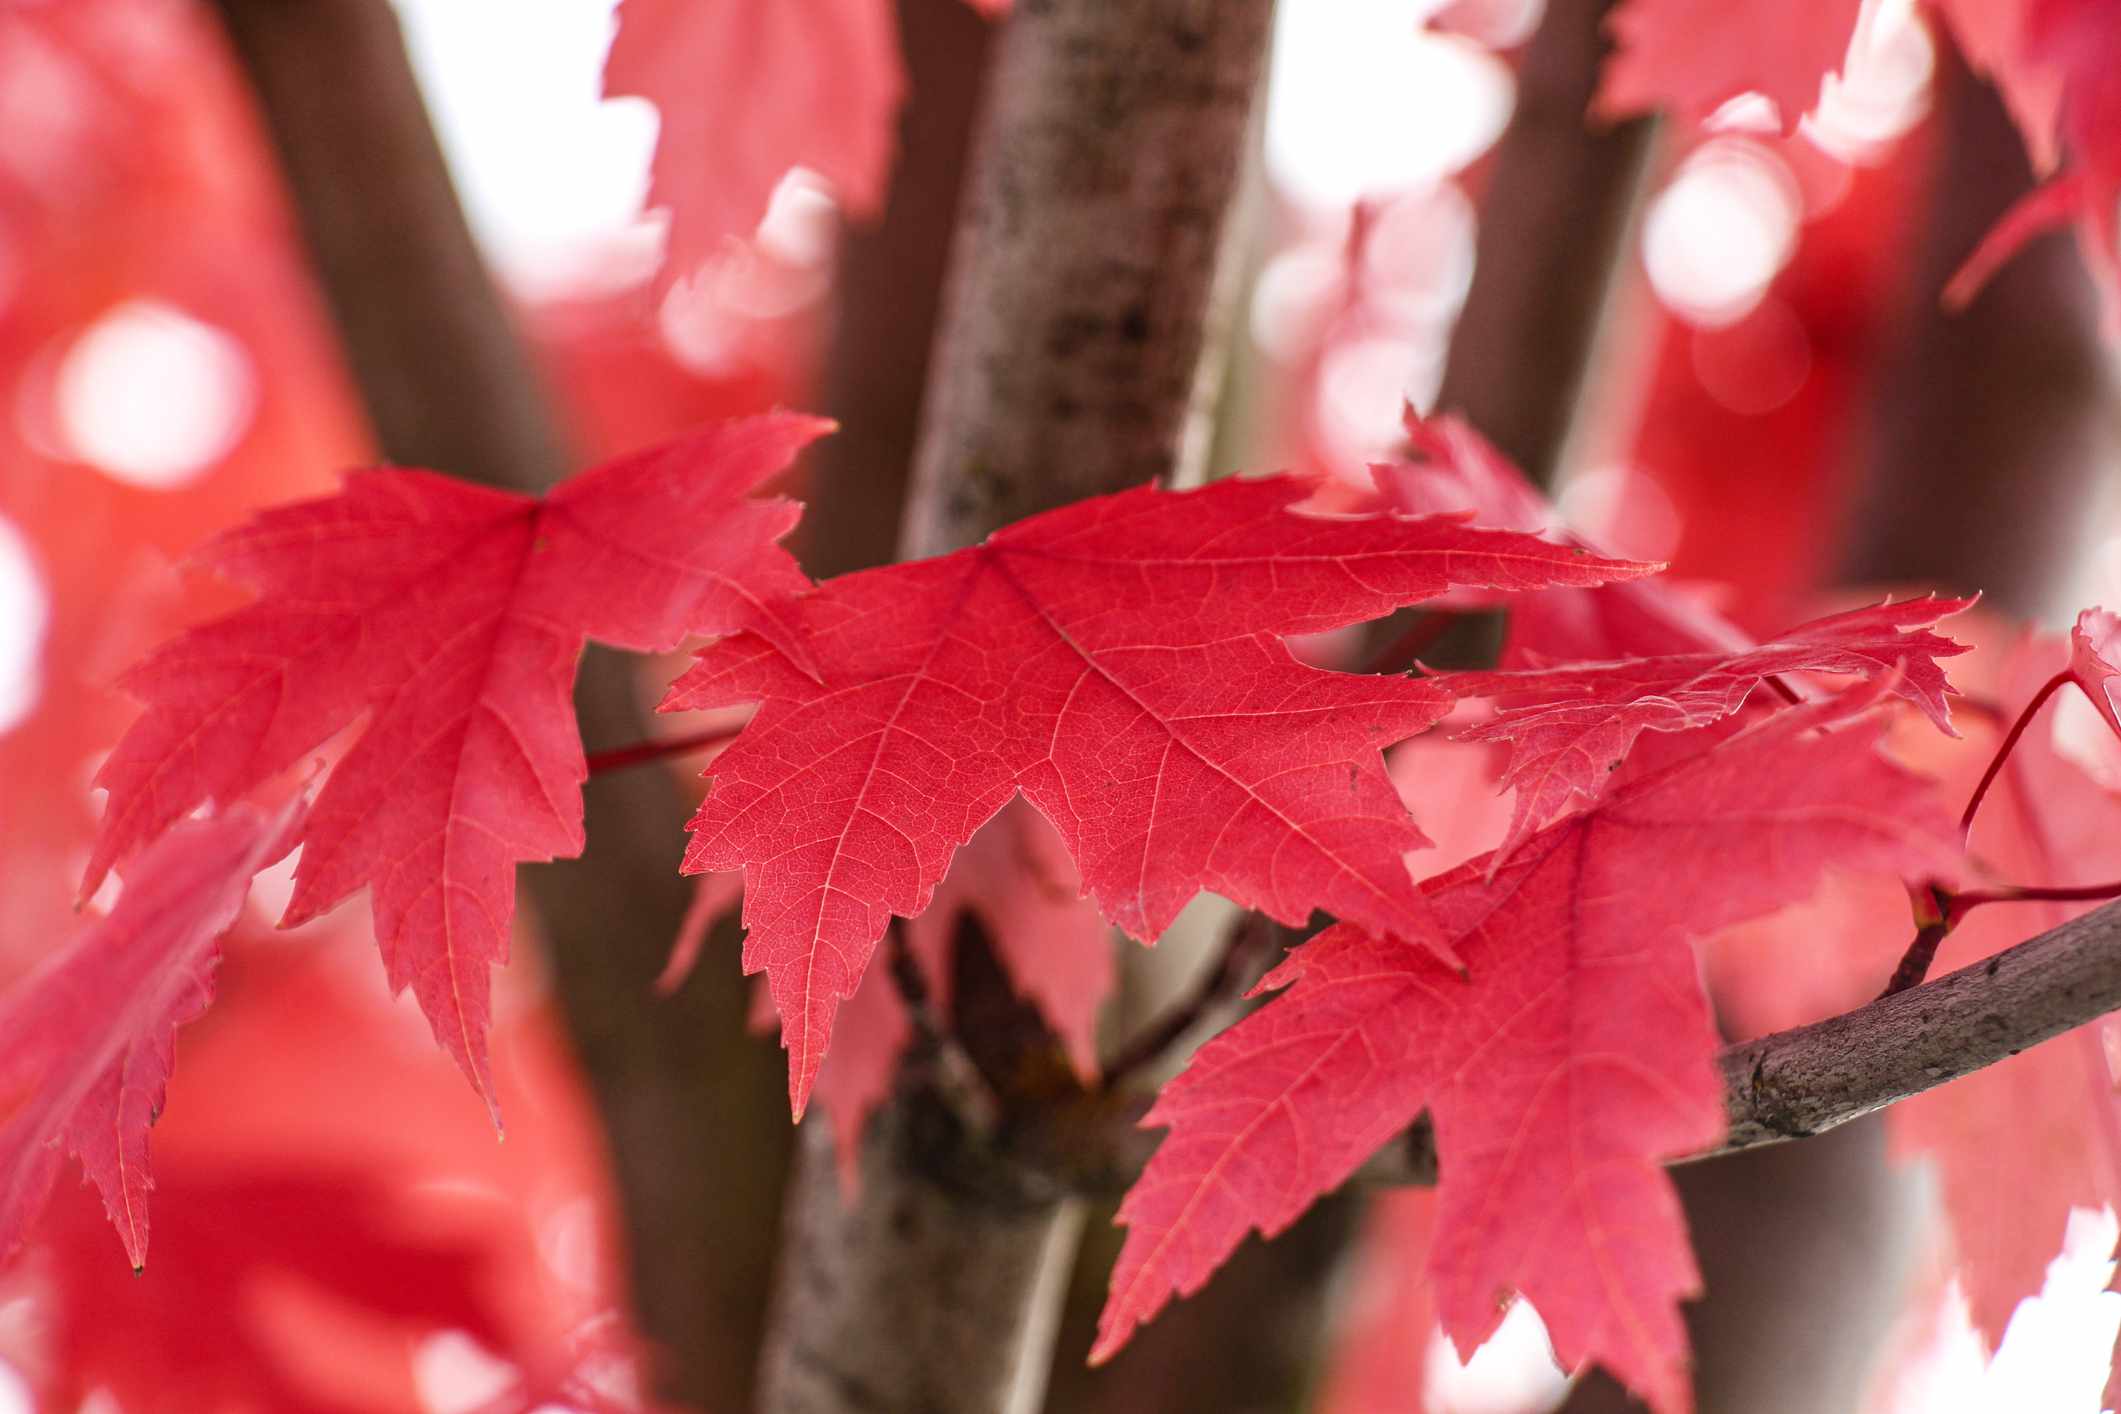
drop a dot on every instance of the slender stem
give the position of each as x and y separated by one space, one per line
1236 968
620 757
1915 962
2035 893
1995 765
1938 911
1783 690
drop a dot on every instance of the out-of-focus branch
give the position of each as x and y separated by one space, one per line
1993 424
1071 363
448 385
888 295
445 380
1559 204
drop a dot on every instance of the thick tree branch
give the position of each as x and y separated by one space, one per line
1790 1085
1812 1079
1069 364
448 385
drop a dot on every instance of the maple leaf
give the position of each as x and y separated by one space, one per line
239 1240
1460 470
2058 63
1017 880
91 1035
447 619
1380 1354
2019 1144
2094 644
1693 59
1120 662
1573 1057
748 91
1572 727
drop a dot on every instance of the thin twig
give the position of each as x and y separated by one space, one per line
1247 942
1995 765
619 757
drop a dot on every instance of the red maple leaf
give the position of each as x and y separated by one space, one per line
446 618
748 91
1572 1058
1570 728
2058 64
1460 470
1694 58
1017 880
2020 1143
91 1035
2094 644
225 1334
1120 662
1380 1354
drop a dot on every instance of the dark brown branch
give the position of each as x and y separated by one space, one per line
445 381
887 296
687 1104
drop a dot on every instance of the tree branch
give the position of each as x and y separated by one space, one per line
1790 1085
1811 1079
1533 314
445 380
1805 1081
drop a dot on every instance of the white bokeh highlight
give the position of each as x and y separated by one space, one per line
25 616
1513 1373
2054 1357
152 397
1721 230
552 176
1363 100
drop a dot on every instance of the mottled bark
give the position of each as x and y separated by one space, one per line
448 385
1070 359
1070 363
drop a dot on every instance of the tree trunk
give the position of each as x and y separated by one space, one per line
1076 358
